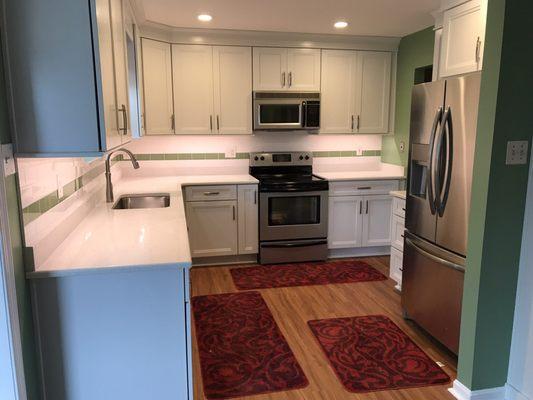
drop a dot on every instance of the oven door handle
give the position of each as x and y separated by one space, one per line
292 245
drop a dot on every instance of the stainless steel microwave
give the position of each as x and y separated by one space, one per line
281 111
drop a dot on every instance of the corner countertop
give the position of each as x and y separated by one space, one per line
401 194
125 239
386 171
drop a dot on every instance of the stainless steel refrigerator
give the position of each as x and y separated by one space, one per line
442 137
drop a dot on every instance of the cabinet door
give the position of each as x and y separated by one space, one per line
248 219
338 91
377 220
397 232
373 91
107 73
303 69
232 79
462 39
121 72
270 68
192 73
396 266
157 87
345 222
212 228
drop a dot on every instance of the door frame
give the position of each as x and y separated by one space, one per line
7 285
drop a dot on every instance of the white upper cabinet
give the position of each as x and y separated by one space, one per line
192 67
356 91
338 91
463 39
232 80
157 78
303 69
286 69
373 91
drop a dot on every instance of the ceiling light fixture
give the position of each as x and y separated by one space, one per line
340 24
205 17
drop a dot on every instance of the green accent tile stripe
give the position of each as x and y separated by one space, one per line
245 155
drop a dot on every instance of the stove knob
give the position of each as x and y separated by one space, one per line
307 157
256 158
262 158
301 158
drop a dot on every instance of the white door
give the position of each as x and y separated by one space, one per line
373 91
157 87
121 72
270 68
212 228
303 69
192 73
232 79
345 222
248 219
463 38
105 45
338 91
377 220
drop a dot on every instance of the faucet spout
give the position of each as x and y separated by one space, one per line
109 184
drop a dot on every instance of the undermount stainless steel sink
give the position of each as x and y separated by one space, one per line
149 200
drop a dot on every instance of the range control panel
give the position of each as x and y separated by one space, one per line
281 159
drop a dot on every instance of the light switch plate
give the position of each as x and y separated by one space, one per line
516 152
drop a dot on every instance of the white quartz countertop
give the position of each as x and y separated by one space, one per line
134 238
401 194
361 175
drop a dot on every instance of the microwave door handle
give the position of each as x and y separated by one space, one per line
303 110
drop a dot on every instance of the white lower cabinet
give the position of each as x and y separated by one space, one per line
397 234
396 266
222 221
357 220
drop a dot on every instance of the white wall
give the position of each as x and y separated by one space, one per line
520 379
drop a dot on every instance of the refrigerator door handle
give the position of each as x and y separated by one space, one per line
446 129
430 178
434 257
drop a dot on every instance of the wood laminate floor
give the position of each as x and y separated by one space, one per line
293 307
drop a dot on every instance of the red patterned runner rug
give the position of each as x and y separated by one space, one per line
304 274
242 351
372 353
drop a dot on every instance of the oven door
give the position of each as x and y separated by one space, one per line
278 114
293 215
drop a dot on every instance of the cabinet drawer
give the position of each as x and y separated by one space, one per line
396 265
397 234
210 193
398 207
350 188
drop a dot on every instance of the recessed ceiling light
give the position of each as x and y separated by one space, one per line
205 17
340 24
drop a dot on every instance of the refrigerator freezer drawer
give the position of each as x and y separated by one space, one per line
432 291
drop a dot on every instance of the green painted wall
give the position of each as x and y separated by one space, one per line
416 50
498 197
22 287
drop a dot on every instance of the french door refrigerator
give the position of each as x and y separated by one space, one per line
442 136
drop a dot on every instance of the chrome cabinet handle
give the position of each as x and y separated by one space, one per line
290 79
367 206
255 196
283 79
478 48
234 213
218 123
358 121
211 123
360 207
353 122
211 193
124 112
364 188
173 122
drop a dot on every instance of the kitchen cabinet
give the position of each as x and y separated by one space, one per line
212 227
356 91
192 72
463 38
232 83
222 220
360 214
248 225
62 66
286 69
157 79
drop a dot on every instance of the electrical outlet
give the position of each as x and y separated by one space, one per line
230 153
516 152
359 152
402 146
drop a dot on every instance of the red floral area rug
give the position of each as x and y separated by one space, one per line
304 274
372 353
242 351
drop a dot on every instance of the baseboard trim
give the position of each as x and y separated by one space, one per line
360 252
511 393
461 392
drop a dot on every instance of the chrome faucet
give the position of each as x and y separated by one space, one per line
109 185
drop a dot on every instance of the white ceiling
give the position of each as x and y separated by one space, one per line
366 17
